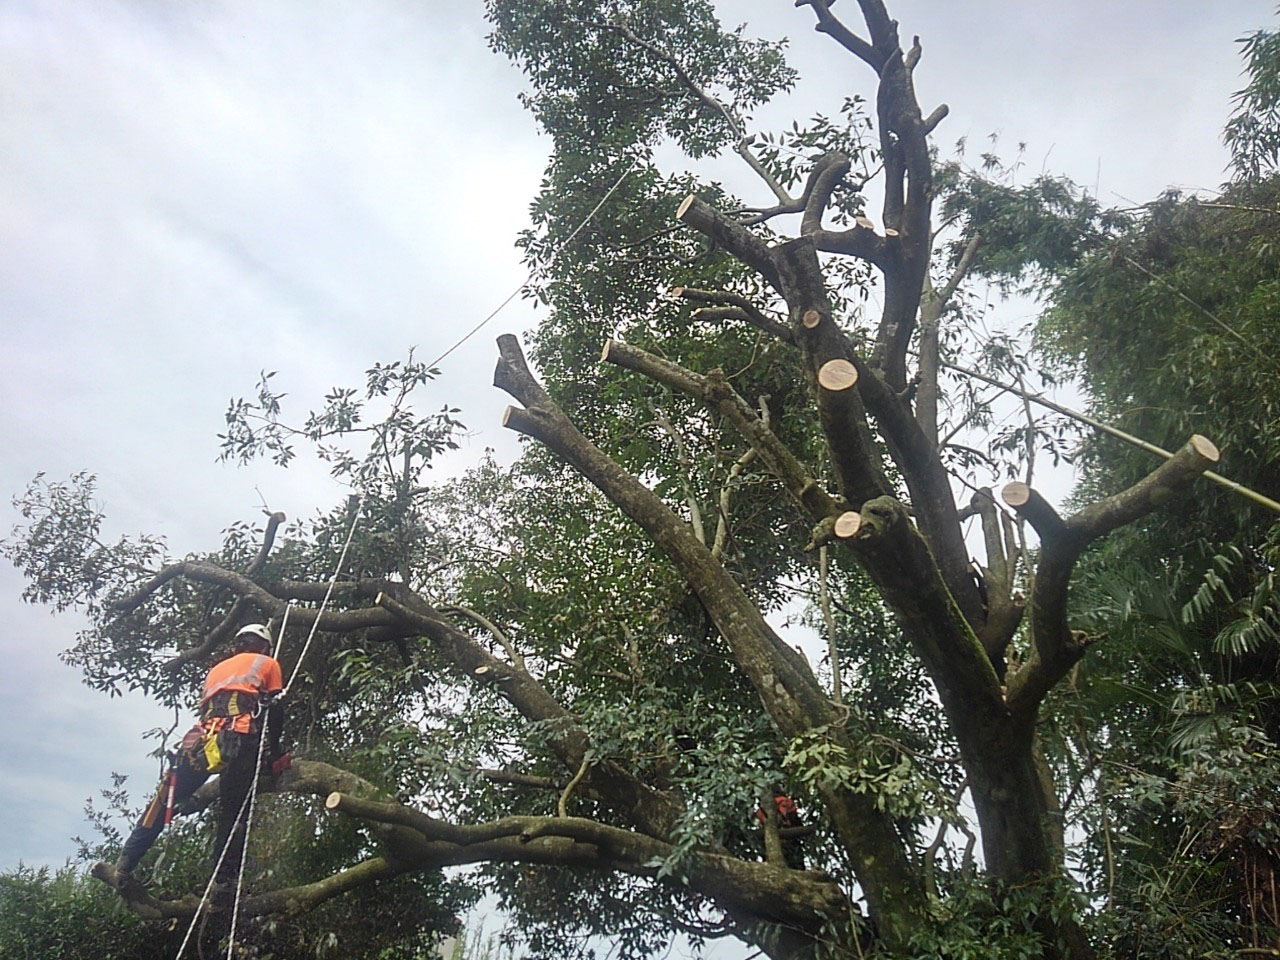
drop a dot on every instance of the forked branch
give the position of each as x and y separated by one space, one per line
1055 649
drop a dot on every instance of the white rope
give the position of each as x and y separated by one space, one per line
315 624
275 653
204 897
248 827
248 803
525 282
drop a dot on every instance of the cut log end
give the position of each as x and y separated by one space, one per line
1205 447
811 319
837 374
481 671
1016 494
604 354
865 222
685 204
890 232
677 292
333 801
377 601
507 414
848 524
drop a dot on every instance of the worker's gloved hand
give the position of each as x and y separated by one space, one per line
281 763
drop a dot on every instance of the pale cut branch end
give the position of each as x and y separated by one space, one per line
1205 447
1035 508
685 204
1016 494
838 374
811 319
848 524
333 801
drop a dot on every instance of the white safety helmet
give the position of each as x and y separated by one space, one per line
257 630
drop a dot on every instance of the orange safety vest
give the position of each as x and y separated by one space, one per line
249 673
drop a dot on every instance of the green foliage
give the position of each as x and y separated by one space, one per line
64 915
980 920
1253 133
1200 845
616 92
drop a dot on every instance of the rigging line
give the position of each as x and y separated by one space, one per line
315 624
1116 432
1230 330
208 887
525 282
275 654
248 827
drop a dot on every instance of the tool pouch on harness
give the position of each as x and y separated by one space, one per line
224 733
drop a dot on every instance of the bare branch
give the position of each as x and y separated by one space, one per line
829 620
1055 649
714 391
562 805
686 472
749 311
512 651
832 27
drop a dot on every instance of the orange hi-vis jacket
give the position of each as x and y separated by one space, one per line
244 673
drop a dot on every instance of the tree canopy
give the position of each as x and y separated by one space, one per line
570 676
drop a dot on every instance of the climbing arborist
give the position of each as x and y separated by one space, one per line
239 693
788 817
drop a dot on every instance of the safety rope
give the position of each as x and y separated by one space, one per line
246 807
248 828
315 624
528 279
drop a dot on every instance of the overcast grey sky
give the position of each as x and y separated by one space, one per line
195 190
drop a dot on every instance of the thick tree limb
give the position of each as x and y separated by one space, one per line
787 688
266 602
860 241
290 901
828 171
1055 649
733 236
766 891
832 27
898 560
